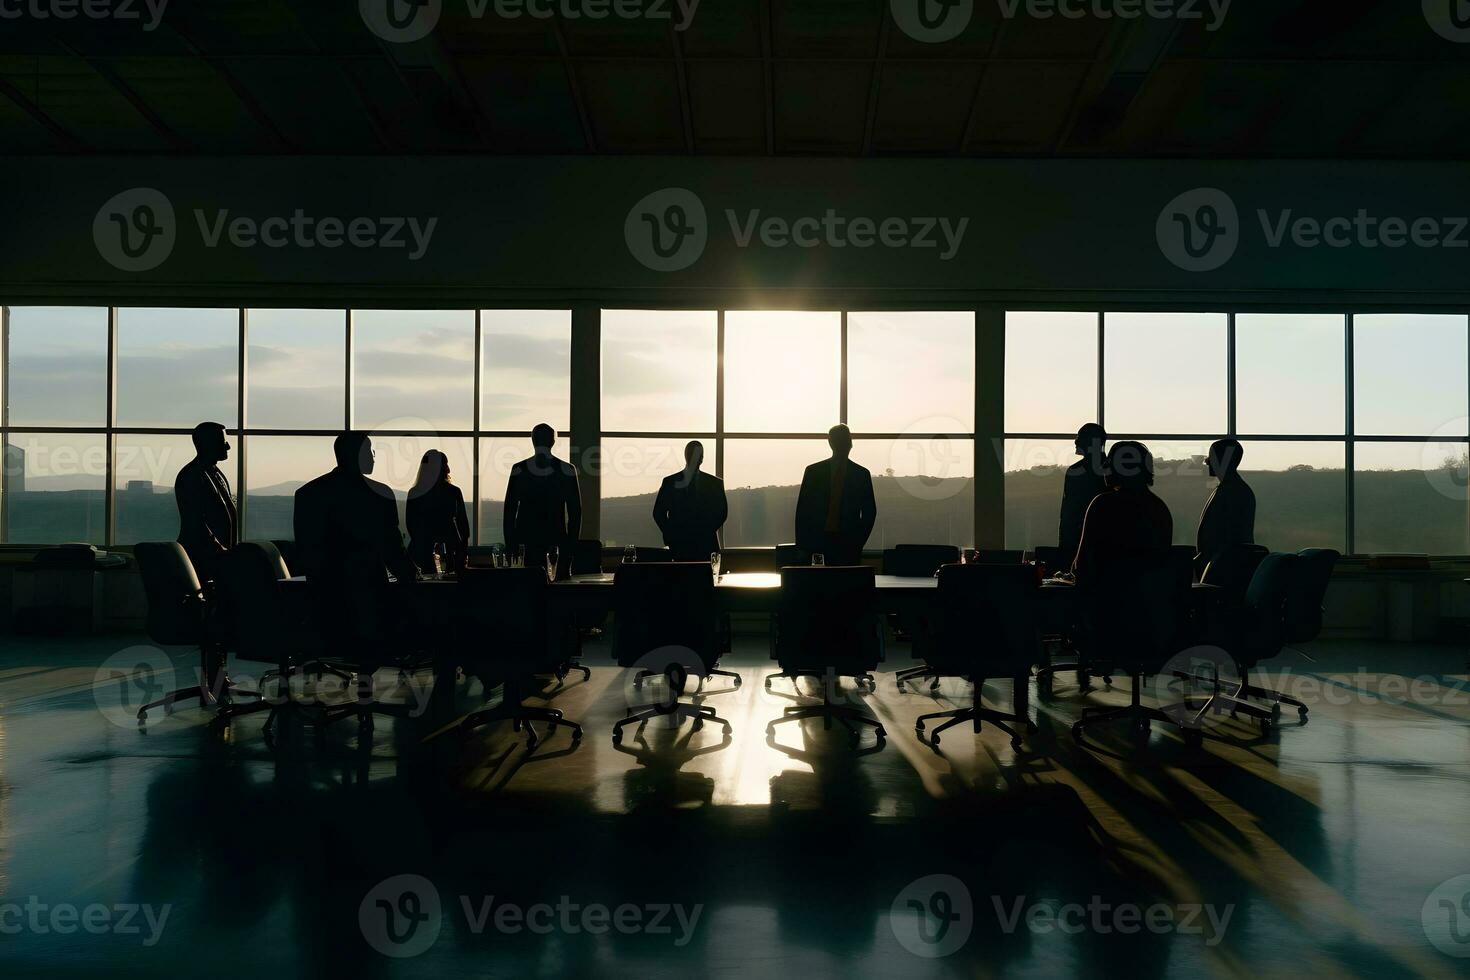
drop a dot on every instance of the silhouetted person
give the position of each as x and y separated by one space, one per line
208 523
347 524
1229 516
543 503
436 515
690 509
1126 520
835 510
1084 480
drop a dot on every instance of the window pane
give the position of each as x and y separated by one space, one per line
143 479
1289 373
1165 372
1034 469
177 367
782 371
1184 483
497 456
1410 498
275 468
762 477
413 369
1301 494
925 490
297 367
527 363
631 472
54 487
1409 375
658 370
911 372
58 366
1051 371
396 462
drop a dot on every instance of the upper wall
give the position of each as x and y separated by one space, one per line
507 231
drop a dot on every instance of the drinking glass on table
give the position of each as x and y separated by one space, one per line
520 556
819 559
630 555
441 559
552 554
714 563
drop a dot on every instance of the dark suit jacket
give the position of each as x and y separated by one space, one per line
690 514
856 515
208 524
437 516
347 530
1120 524
1079 486
543 503
1229 518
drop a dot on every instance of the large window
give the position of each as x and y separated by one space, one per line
77 469
760 389
1375 464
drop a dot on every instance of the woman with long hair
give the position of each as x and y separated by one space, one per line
436 515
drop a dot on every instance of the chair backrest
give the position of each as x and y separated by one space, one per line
985 623
587 556
827 617
788 555
660 605
1001 556
1050 557
920 560
176 605
266 625
1135 608
1303 614
1233 569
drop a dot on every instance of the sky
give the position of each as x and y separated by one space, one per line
909 374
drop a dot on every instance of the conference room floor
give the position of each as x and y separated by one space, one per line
1312 851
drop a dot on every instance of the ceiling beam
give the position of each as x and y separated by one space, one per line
574 85
968 134
768 46
876 83
129 94
685 109
31 109
1126 59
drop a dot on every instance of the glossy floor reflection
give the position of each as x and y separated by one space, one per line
191 850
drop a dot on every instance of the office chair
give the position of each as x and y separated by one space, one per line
179 614
587 556
1134 617
666 623
505 612
272 627
915 560
827 626
1282 606
984 625
1232 570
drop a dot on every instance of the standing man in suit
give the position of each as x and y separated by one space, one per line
1229 517
208 523
690 509
347 544
1084 480
543 503
835 510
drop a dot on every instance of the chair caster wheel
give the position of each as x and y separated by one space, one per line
1017 744
1301 713
880 732
934 740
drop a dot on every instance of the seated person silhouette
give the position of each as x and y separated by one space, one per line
1083 481
1229 516
543 504
690 509
1124 521
835 509
347 545
208 524
436 516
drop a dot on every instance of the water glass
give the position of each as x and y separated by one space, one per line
819 559
630 555
552 554
520 557
714 563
